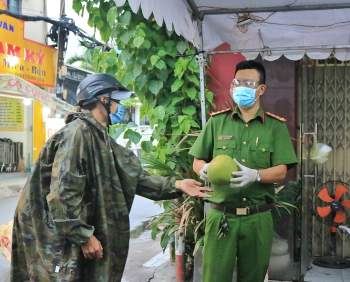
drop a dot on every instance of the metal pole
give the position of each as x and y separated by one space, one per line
61 48
180 255
285 8
201 63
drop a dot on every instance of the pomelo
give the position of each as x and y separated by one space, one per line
220 170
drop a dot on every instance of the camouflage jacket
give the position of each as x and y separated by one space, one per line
82 184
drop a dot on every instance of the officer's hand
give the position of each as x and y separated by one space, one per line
192 188
203 172
92 249
243 177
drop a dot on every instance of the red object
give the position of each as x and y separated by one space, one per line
220 74
180 265
335 205
179 259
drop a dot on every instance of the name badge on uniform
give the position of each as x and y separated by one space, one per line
224 137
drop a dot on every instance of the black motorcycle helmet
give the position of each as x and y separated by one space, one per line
95 85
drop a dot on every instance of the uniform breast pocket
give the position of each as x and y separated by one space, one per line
225 147
261 155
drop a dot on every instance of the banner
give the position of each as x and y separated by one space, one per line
11 114
27 59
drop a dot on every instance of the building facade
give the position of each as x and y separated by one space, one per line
27 83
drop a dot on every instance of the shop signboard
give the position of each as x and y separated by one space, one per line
25 58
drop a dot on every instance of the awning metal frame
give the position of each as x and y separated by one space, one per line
200 14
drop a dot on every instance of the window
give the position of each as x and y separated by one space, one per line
14 6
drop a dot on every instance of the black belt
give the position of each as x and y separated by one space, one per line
245 210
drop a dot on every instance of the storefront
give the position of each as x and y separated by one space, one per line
29 115
27 81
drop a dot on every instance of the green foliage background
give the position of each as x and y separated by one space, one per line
162 70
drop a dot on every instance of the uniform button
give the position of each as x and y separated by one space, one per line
244 199
243 160
246 125
244 142
263 149
224 147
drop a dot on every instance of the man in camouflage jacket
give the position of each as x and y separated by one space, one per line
72 219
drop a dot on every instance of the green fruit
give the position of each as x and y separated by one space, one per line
220 170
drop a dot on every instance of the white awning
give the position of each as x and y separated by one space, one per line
271 28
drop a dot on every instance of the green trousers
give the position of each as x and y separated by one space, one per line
248 243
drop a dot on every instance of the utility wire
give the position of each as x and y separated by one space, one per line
64 22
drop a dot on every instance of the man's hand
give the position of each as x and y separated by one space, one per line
92 249
243 177
203 172
192 188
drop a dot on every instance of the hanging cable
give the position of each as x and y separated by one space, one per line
66 23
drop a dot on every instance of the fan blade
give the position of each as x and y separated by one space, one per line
323 211
324 196
340 190
346 203
339 217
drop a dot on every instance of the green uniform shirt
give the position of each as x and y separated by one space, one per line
261 143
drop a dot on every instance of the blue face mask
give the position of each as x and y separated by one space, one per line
244 97
118 116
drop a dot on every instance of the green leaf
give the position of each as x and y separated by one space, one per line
185 123
159 112
116 130
137 70
154 231
192 93
181 46
154 59
77 5
147 44
180 67
132 135
146 146
162 53
177 99
155 86
164 240
141 82
194 79
189 110
125 18
161 65
176 85
163 74
172 165
138 41
111 16
125 37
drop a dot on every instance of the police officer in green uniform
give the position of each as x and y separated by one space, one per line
239 225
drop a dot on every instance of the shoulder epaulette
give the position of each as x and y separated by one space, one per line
220 112
276 116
